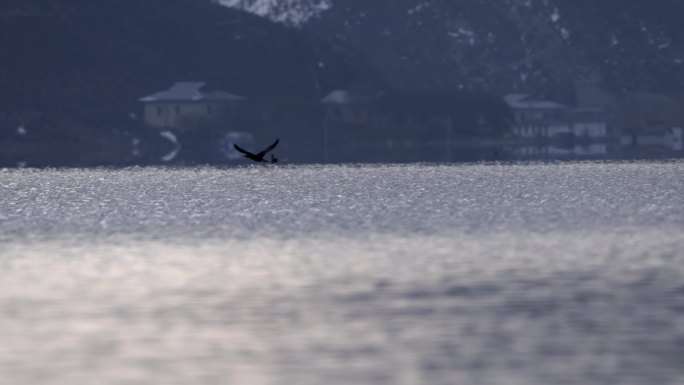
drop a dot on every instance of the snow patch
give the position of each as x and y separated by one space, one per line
565 33
664 45
467 34
290 12
418 8
614 41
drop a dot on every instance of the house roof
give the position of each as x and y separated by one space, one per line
524 101
190 91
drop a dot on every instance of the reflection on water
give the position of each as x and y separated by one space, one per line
480 274
670 139
627 146
668 144
589 150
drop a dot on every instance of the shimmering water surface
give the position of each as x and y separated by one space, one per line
421 274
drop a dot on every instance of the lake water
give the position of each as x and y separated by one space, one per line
502 274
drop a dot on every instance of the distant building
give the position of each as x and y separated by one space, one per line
538 118
186 105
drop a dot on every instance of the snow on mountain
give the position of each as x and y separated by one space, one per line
290 12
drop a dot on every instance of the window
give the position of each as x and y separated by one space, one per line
208 110
159 111
177 109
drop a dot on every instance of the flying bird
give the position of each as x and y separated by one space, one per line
259 157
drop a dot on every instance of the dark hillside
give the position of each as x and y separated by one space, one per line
71 71
541 46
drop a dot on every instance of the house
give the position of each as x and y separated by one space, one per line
186 105
539 118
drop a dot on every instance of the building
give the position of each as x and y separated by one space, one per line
185 105
538 118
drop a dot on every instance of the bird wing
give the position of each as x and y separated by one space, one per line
242 150
269 148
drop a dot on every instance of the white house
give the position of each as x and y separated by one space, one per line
539 118
187 105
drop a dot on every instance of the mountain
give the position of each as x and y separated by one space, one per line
71 71
540 46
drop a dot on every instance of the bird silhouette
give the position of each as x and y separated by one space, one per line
258 157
